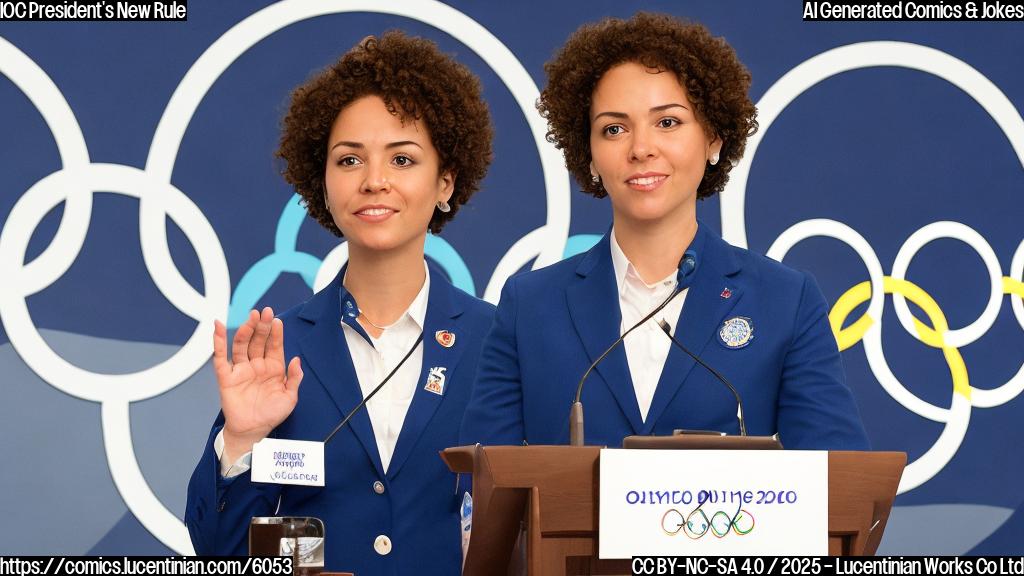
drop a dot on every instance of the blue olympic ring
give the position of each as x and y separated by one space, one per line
286 259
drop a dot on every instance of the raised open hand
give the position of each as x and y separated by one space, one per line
257 390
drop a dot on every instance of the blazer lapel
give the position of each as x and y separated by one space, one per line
593 302
442 315
325 351
702 314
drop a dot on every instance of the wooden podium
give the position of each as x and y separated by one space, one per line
550 493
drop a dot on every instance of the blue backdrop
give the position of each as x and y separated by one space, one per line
139 199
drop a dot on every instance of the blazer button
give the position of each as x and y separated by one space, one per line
382 545
378 487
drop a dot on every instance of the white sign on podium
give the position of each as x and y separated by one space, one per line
713 503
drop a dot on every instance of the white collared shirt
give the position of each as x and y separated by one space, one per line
647 347
373 360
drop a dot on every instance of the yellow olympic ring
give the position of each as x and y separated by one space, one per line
1011 286
930 335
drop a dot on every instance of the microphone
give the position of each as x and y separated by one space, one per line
374 391
739 402
360 405
687 266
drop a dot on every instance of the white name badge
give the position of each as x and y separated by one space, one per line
713 503
299 462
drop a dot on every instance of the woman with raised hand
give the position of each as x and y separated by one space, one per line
653 112
383 146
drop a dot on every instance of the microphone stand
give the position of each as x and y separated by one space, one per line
576 411
739 402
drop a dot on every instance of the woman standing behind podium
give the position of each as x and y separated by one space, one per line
653 112
385 144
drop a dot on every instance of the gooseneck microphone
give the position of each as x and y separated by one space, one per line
739 402
374 391
687 266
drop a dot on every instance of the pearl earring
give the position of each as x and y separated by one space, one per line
714 158
443 206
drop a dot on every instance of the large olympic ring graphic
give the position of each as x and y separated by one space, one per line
78 179
543 246
868 327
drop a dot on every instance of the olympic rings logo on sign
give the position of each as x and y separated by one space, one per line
79 179
868 327
697 524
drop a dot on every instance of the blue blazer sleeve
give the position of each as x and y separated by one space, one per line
494 415
816 410
218 510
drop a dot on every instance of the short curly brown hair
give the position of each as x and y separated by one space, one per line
415 80
715 80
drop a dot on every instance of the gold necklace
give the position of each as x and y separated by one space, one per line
370 322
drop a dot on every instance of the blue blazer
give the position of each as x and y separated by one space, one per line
419 508
552 323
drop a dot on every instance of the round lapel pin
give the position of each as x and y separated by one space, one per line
736 332
445 338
